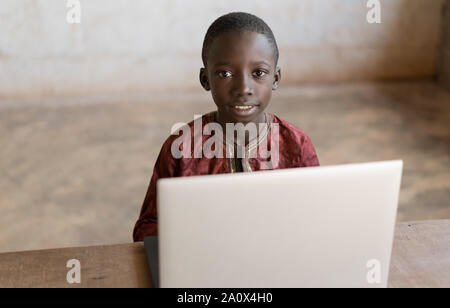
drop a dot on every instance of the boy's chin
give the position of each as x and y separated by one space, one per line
244 119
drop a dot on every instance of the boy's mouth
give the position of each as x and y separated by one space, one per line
243 110
243 107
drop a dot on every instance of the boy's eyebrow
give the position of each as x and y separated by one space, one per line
221 63
261 62
228 63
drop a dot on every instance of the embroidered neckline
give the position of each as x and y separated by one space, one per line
253 144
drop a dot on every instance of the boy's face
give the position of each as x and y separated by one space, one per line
241 74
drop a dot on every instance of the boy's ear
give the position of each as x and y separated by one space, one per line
204 79
277 78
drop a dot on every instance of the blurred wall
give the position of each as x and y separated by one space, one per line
146 45
444 61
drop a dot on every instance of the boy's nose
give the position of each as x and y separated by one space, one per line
242 86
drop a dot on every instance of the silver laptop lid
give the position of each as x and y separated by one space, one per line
326 226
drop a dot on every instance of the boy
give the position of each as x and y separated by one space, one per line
240 58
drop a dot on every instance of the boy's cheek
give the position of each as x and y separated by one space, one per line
220 94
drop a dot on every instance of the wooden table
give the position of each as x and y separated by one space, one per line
420 258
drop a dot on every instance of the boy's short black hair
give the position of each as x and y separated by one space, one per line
237 21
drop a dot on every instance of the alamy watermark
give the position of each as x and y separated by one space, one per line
374 273
374 14
249 140
73 15
74 274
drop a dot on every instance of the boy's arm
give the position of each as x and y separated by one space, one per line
309 156
166 166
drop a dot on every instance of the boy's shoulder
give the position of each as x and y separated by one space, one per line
191 128
289 131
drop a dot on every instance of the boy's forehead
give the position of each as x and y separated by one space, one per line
235 46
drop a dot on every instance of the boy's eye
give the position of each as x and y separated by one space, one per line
259 73
224 74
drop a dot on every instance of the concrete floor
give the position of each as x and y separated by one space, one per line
75 171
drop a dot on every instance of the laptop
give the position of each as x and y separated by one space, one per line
328 226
